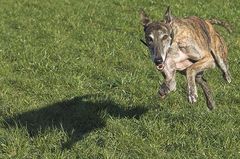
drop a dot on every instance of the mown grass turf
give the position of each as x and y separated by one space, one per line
77 83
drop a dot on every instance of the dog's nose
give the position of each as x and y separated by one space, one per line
158 61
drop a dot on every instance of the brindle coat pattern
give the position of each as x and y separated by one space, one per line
189 45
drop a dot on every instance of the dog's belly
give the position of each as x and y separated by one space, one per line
182 65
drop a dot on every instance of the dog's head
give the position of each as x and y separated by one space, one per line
158 36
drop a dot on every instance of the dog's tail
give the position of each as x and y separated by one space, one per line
222 23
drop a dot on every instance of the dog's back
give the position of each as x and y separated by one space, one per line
202 33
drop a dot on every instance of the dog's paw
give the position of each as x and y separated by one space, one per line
162 97
163 91
192 98
227 77
161 94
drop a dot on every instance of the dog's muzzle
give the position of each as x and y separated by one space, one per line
159 63
160 67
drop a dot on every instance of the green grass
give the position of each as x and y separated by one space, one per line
76 82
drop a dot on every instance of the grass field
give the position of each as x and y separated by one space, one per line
76 82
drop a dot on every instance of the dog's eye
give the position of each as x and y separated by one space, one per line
150 39
165 37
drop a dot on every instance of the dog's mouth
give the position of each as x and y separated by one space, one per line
160 67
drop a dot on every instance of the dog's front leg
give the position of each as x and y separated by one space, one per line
169 83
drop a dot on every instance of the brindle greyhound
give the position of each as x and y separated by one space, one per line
189 45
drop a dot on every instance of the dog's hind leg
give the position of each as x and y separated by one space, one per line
219 54
222 64
206 90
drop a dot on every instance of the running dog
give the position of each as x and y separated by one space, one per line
188 45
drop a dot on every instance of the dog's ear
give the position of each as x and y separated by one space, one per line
168 16
144 18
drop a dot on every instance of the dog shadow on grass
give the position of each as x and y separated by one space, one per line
77 117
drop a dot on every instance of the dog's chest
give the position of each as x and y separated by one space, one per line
180 59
